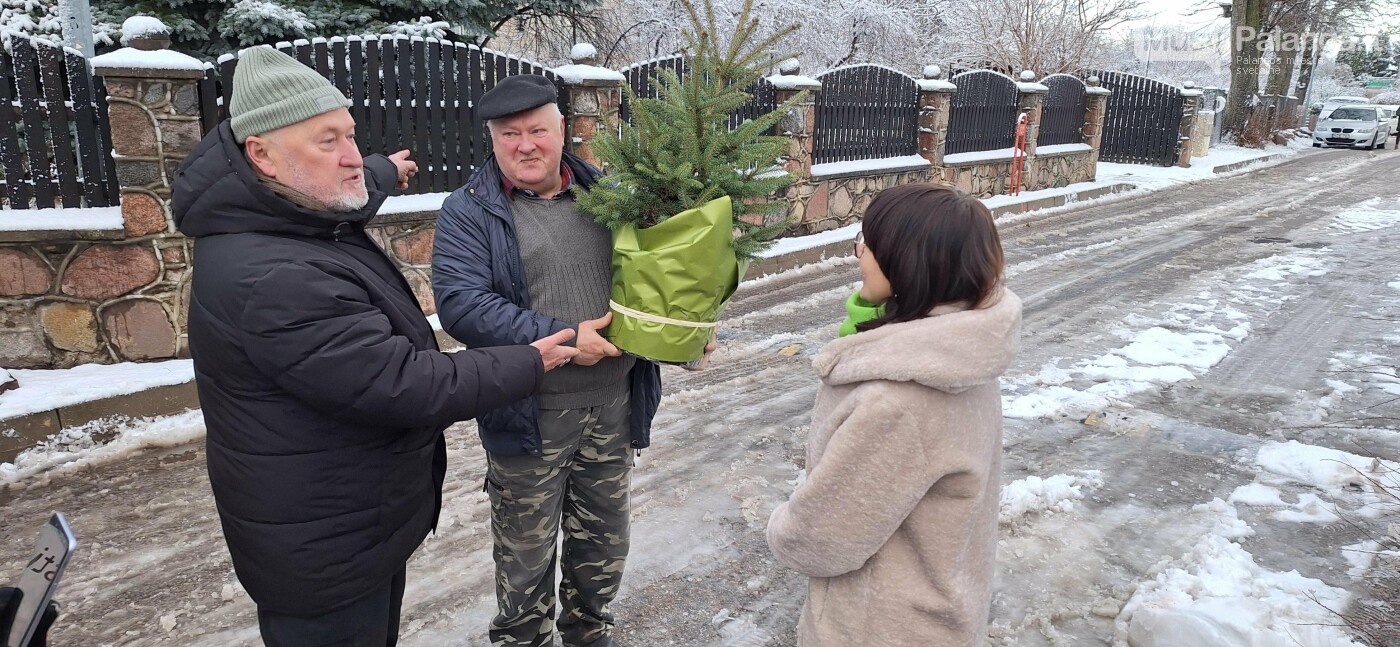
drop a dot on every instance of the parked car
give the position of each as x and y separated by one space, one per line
1333 103
1354 127
1388 113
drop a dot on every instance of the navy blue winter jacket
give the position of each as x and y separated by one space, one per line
483 301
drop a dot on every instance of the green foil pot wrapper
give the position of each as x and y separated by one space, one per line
675 278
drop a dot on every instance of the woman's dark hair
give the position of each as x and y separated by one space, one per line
936 245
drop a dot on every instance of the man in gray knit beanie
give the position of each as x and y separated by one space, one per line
324 394
296 127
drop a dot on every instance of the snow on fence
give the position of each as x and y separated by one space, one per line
983 113
865 112
55 145
413 93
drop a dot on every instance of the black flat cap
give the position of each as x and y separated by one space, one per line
515 94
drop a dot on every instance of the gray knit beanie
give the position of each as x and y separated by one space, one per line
272 90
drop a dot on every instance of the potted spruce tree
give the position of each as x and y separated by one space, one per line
680 184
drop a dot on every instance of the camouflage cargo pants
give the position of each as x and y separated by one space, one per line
582 480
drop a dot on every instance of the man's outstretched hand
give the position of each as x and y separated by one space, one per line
553 353
407 167
705 361
592 347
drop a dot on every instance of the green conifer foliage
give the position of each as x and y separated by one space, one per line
681 153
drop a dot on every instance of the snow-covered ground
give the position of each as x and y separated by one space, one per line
44 390
101 443
1199 451
1158 177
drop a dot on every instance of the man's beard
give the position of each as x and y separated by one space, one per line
335 201
350 201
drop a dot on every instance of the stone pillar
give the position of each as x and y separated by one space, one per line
1200 136
1190 110
1095 107
140 285
806 198
1031 103
935 104
155 123
595 99
800 122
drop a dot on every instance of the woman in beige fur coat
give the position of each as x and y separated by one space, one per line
896 523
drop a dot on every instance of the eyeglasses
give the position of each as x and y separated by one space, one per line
860 244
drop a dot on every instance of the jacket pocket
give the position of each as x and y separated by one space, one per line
408 489
504 431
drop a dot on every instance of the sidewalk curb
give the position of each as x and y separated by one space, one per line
794 260
1235 166
31 429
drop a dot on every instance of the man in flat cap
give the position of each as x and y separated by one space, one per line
514 259
324 394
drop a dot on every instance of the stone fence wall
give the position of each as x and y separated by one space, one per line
829 196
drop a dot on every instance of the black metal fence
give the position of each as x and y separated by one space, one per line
413 93
643 78
865 112
1142 123
983 114
55 144
1062 115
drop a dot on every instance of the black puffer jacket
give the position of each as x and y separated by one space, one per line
324 394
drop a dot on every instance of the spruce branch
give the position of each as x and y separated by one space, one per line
680 151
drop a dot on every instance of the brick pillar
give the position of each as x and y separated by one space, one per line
1190 110
595 97
1095 107
1031 102
935 102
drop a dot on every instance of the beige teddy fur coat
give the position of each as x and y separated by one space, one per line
896 523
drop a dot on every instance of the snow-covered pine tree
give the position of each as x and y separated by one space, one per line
681 153
213 27
1387 98
30 18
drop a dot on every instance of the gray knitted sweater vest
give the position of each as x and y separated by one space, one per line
568 265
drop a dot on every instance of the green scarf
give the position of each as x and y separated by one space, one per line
859 311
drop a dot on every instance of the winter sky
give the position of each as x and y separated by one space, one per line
1187 13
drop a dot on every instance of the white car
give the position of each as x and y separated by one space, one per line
1346 99
1388 112
1336 102
1353 126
